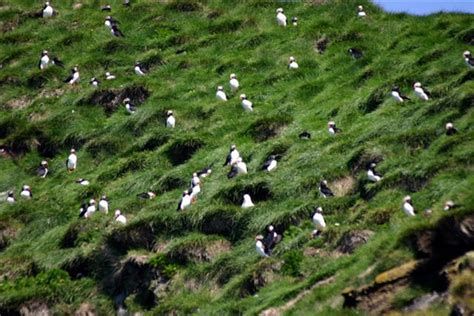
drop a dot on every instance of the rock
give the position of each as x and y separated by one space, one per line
77 6
85 309
35 309
424 302
354 239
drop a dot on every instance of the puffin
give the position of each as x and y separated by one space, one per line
294 21
468 59
146 195
42 170
270 164
233 82
109 76
47 11
11 197
94 82
138 69
220 94
204 172
184 202
44 60
26 192
127 3
246 104
104 204
450 129
421 92
318 221
324 189
238 167
305 135
110 21
129 106
397 95
372 174
82 181
83 209
106 8
91 208
71 161
170 120
195 180
292 64
195 190
281 17
332 129
408 206
57 62
232 156
360 12
355 53
74 77
115 31
271 239
247 201
119 217
260 247
449 205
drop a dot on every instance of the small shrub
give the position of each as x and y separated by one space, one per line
292 263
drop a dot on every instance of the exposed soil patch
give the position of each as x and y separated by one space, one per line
343 186
110 100
19 103
219 221
353 240
266 128
199 252
182 150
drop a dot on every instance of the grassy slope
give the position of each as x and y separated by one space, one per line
243 39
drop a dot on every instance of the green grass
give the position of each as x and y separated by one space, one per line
124 155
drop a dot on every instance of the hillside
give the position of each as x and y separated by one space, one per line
371 259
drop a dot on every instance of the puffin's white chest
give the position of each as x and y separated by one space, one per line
221 95
247 105
281 19
48 12
234 84
170 121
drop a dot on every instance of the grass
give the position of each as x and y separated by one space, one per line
123 155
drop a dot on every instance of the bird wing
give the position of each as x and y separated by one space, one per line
228 159
68 79
470 61
266 164
58 62
67 160
427 92
404 97
233 172
41 171
39 64
179 205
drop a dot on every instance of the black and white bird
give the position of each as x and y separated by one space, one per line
281 17
204 172
324 189
104 204
271 239
372 174
109 76
247 105
270 164
11 197
129 106
26 192
260 247
146 195
292 64
94 82
360 12
450 129
318 221
43 169
305 135
119 217
73 77
468 59
232 156
294 21
47 11
170 120
355 53
115 31
139 69
83 209
247 201
82 181
421 92
239 167
106 8
57 62
220 94
233 83
397 95
110 21
71 161
332 128
185 201
408 206
44 60
91 208
127 3
195 190
195 180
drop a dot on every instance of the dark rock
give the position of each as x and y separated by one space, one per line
354 239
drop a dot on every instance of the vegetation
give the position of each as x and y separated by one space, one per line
203 260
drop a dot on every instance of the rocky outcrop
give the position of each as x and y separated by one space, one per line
354 239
